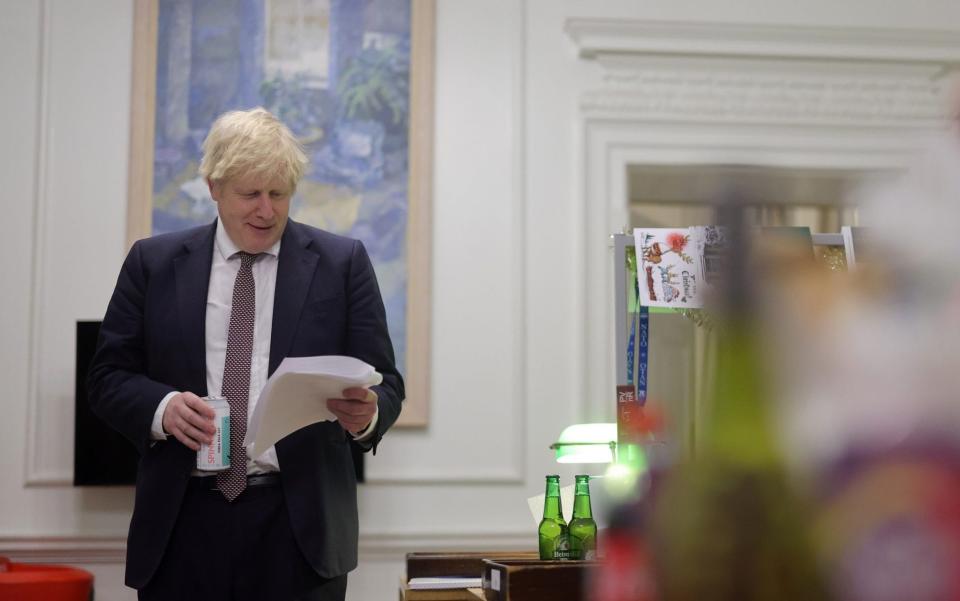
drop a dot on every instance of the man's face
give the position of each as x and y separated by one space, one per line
252 209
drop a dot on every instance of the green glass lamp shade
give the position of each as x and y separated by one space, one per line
586 443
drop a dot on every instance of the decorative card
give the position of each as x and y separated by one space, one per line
670 267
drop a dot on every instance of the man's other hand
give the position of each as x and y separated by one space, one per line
355 409
189 419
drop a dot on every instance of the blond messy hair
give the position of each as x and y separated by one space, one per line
252 142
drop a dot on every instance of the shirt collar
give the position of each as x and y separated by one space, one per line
227 248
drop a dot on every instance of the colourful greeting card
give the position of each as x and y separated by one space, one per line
670 267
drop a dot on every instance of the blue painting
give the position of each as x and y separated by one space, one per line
337 73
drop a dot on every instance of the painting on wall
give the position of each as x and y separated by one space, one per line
351 78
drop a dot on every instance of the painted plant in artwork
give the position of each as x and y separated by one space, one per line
337 73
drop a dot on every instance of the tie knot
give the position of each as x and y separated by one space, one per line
247 259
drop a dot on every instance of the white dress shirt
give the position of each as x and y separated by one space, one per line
223 273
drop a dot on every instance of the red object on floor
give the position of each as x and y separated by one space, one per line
34 582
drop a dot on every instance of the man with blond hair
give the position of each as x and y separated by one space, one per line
211 311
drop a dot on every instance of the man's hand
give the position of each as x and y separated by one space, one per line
188 418
355 409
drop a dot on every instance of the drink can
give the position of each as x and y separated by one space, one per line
215 457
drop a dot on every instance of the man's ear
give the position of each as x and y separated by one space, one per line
212 186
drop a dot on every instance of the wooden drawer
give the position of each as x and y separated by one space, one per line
535 580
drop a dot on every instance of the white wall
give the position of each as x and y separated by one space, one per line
511 261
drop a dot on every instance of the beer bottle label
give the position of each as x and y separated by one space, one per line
562 548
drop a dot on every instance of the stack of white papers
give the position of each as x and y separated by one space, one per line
296 396
444 582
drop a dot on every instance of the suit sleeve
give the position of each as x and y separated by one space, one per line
119 391
369 340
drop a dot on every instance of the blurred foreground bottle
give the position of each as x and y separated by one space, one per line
727 524
583 530
625 572
554 540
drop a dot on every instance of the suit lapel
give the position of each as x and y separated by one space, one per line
192 273
296 267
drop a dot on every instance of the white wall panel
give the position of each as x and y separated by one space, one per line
68 168
477 413
81 209
20 27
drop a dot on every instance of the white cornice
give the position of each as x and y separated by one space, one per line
776 75
765 92
598 37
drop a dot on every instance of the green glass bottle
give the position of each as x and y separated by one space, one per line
729 521
583 530
554 540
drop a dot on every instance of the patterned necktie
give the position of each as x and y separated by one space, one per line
236 376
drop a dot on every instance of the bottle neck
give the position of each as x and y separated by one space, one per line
552 509
581 499
581 506
551 504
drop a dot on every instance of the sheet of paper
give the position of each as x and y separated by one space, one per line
443 582
295 396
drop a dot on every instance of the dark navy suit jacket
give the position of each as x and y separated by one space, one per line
152 342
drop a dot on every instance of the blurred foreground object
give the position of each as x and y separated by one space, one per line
872 374
626 569
828 464
728 524
890 526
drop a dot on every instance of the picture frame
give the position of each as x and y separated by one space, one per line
415 413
